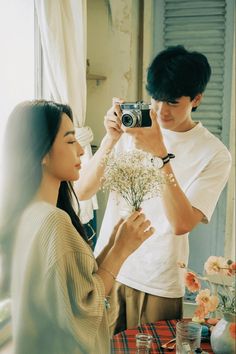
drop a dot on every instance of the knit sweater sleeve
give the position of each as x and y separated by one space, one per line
73 292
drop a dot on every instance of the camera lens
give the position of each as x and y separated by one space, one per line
128 120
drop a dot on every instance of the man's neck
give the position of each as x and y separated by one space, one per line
186 127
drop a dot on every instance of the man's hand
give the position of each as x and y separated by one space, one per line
149 139
112 120
91 174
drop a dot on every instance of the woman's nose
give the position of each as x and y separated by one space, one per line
80 150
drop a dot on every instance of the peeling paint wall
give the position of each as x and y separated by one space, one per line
112 52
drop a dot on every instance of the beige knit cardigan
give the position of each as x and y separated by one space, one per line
58 299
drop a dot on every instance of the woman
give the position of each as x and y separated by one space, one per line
58 289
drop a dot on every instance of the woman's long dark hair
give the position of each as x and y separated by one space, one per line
30 132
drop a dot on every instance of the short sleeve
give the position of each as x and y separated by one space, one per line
205 190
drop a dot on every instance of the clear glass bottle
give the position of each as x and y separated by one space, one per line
143 343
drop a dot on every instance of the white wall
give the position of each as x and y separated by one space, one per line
112 52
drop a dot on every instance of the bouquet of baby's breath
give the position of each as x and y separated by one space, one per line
133 175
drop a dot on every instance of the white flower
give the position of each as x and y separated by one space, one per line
134 177
215 264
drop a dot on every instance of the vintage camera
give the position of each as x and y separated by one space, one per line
135 114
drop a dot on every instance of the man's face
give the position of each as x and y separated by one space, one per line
176 115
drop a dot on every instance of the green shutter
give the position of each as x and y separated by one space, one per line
206 26
202 26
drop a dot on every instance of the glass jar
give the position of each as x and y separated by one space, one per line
143 343
188 336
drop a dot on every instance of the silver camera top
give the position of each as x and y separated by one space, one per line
140 105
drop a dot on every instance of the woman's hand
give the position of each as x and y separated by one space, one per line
131 233
114 233
126 237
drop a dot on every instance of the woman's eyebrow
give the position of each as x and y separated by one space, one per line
69 132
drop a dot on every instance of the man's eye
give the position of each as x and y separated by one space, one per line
172 103
71 142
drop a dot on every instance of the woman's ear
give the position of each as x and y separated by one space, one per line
45 160
197 100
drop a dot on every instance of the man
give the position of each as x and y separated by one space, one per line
150 284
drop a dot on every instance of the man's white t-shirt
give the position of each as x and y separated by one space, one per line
201 166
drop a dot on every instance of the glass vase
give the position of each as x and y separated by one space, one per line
223 335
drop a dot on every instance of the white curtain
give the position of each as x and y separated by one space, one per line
62 26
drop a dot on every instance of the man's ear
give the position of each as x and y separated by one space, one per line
197 100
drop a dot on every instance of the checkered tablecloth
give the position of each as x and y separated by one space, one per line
162 331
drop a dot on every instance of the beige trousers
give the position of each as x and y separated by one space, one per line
130 307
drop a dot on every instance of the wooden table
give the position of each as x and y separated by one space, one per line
162 332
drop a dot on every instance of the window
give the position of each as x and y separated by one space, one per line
17 57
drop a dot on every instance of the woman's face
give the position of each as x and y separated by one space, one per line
63 160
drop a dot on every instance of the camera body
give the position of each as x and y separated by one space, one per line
135 114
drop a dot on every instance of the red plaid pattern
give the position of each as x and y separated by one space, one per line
162 332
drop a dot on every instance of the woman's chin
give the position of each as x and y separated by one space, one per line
73 178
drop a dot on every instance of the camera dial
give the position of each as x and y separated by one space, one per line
131 119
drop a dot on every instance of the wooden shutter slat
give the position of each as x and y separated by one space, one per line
195 19
197 12
200 26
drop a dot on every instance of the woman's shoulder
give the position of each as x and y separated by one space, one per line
42 214
47 222
56 235
52 212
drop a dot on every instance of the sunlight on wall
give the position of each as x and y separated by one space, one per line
17 58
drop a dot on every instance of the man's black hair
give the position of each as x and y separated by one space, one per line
176 72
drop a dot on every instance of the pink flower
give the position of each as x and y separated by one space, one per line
232 268
214 264
203 297
199 314
214 302
192 282
210 302
232 330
